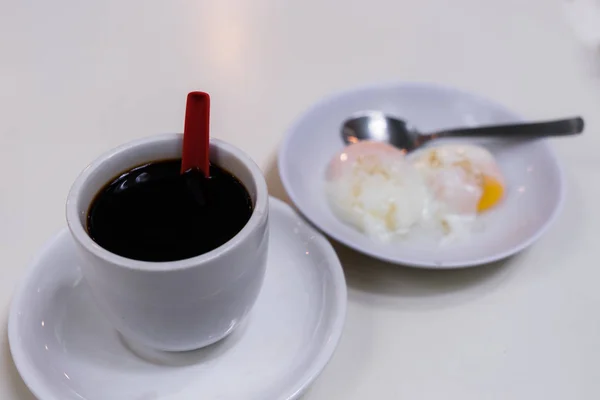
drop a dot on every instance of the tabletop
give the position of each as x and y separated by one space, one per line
78 78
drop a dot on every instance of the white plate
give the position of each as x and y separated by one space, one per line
64 349
534 178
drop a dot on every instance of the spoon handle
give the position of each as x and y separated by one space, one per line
563 127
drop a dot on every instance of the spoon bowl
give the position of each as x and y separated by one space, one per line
376 126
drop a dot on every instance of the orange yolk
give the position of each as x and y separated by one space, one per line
493 190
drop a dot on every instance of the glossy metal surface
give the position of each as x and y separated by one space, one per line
377 126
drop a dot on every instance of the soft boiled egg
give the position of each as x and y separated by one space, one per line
465 178
372 187
437 191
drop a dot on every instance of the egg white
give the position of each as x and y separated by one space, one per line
373 188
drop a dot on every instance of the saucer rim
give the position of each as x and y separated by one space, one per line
42 391
306 212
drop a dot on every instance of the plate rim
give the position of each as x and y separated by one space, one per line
402 85
33 379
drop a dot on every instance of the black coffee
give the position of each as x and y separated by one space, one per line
154 213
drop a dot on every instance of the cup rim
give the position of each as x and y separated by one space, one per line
79 233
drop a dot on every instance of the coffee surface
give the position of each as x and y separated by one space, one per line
154 213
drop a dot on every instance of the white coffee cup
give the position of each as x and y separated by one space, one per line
178 305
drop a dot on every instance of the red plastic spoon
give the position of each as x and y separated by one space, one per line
196 145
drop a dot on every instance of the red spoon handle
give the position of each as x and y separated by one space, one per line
195 152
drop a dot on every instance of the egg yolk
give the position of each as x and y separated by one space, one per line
493 190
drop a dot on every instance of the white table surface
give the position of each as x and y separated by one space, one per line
79 77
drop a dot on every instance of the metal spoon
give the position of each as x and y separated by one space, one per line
376 126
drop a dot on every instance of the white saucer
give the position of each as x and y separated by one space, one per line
64 348
535 184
